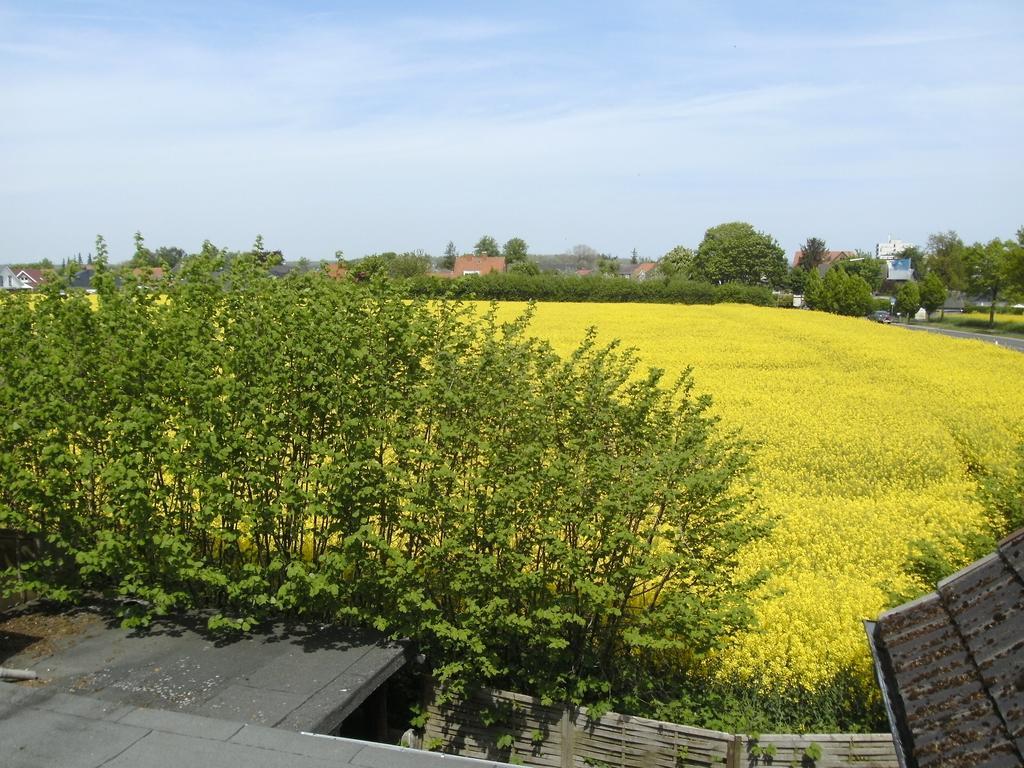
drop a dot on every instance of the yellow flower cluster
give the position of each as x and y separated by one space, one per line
1012 323
864 434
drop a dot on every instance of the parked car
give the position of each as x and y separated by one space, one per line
881 316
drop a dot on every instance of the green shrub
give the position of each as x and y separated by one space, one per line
839 293
334 450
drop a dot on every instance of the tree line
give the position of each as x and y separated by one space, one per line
992 270
733 253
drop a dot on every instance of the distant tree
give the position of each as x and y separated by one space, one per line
391 264
584 254
990 268
170 256
917 260
946 257
908 299
932 292
43 263
487 246
737 253
633 258
796 279
264 257
258 250
813 253
451 253
814 291
867 267
409 264
607 265
676 263
167 256
1014 267
370 266
102 255
842 294
527 267
142 257
515 250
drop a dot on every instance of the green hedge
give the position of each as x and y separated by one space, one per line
334 450
515 287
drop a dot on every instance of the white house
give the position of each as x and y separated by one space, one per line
9 281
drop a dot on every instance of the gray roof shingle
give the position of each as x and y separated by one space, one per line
951 666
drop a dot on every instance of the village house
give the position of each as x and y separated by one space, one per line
830 258
472 264
642 271
33 278
10 280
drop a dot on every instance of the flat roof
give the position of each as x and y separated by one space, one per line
42 727
291 676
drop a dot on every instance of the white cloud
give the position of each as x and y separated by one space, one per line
404 133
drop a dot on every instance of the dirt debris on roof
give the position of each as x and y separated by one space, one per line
38 632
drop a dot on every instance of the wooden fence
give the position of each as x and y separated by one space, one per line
498 725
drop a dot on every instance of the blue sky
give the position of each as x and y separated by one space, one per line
396 126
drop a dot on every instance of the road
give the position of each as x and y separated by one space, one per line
1010 342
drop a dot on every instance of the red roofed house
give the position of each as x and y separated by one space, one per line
830 258
643 271
32 278
337 271
149 273
478 265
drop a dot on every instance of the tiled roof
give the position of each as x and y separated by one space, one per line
151 273
636 271
951 666
337 271
34 276
831 257
478 264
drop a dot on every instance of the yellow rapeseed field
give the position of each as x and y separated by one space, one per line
864 433
1015 320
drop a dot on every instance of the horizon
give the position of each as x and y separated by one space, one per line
391 129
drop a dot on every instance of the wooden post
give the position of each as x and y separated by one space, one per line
568 747
735 752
